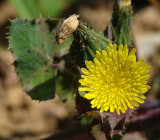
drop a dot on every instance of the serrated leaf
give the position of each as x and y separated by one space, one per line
32 45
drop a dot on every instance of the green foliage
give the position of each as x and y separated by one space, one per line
32 45
45 68
77 50
121 22
33 8
86 120
94 40
64 84
34 62
26 8
86 43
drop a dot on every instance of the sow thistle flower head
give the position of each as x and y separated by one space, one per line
114 80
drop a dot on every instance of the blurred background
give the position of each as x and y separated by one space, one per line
23 118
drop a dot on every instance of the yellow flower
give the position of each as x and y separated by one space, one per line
115 80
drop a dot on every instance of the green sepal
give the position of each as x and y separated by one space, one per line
91 41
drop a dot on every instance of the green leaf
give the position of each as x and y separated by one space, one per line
32 44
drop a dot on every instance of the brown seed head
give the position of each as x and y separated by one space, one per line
68 27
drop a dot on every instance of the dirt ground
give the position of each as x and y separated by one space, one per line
19 115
